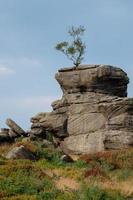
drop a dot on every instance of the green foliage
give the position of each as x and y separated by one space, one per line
68 196
49 136
28 180
75 49
124 174
95 193
80 164
46 196
50 154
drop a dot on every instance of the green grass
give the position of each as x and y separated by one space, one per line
95 193
99 175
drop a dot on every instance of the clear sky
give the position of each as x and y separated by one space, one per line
29 30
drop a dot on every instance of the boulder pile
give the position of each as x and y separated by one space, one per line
94 113
10 134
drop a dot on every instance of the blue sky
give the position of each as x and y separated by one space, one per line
29 30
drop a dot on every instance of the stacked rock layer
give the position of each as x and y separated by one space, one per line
94 113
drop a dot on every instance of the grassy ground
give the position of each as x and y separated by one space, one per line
102 176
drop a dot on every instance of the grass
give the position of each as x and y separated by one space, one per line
101 176
96 193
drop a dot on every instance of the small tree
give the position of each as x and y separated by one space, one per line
75 49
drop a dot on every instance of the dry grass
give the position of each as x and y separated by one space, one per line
67 184
111 170
117 158
103 169
125 187
5 148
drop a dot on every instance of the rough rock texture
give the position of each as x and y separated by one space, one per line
15 129
8 135
20 153
4 136
94 113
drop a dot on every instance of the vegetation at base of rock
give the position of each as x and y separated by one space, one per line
76 49
102 176
110 160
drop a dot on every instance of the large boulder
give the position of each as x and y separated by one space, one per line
94 113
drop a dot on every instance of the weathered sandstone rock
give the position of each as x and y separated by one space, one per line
20 153
4 136
15 129
12 134
94 113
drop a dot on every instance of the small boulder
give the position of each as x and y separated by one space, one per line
66 158
20 153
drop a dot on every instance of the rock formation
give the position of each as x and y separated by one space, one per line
94 113
14 131
4 136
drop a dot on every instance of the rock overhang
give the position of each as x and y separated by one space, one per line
93 78
94 113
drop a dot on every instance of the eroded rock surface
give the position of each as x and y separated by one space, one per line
94 112
15 129
4 136
8 135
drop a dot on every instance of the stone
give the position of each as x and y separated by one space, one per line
20 153
4 136
66 158
15 128
94 113
98 78
12 134
50 122
84 123
118 139
37 132
5 130
83 143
